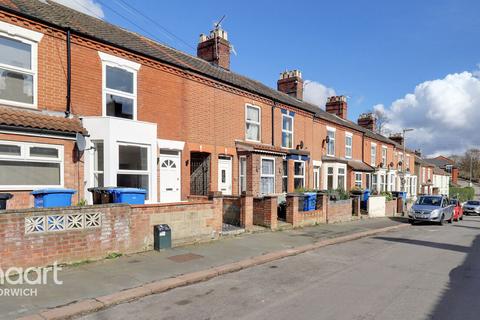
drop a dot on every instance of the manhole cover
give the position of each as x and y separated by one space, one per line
185 257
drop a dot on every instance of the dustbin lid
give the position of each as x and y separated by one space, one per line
162 227
6 196
53 190
128 190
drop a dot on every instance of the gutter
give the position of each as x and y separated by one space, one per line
38 131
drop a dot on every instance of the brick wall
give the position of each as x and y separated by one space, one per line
123 228
265 212
391 207
339 211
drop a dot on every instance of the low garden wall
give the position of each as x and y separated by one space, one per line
39 237
376 206
391 207
339 211
265 211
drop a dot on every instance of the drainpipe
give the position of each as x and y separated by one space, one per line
273 122
69 75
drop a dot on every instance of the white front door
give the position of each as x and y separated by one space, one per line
225 175
170 180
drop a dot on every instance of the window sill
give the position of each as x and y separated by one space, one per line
9 103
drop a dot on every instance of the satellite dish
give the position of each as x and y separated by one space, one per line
327 139
80 141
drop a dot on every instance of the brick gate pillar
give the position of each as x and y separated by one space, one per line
293 215
217 199
246 210
270 211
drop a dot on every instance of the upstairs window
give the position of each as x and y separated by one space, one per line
384 156
348 145
252 123
119 87
287 131
373 155
331 142
18 66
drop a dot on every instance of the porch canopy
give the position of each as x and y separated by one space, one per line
360 166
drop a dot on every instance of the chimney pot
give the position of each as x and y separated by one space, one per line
215 48
291 83
337 105
368 121
397 137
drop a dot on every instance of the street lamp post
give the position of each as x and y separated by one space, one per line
404 157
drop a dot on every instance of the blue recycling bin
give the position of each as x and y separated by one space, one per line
310 201
128 195
364 199
50 198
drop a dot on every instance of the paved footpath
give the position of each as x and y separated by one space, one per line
108 277
416 273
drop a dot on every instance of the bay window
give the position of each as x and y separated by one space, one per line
358 180
348 145
330 178
267 176
133 167
331 142
252 123
341 179
98 163
287 131
243 173
27 166
285 176
299 174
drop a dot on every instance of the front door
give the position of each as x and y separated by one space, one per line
170 182
225 175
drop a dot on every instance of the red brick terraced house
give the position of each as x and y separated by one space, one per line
157 118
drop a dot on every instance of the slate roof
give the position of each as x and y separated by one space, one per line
58 15
31 119
440 161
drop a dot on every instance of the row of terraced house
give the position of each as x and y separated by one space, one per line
174 124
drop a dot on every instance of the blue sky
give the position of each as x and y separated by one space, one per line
373 51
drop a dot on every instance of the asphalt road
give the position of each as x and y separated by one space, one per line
422 272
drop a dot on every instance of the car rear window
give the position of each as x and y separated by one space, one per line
430 201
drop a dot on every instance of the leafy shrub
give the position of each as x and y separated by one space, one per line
388 195
462 194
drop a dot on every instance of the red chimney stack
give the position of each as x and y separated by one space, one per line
337 105
215 48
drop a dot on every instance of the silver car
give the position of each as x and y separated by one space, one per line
471 207
435 209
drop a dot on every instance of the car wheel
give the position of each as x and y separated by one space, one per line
440 223
411 221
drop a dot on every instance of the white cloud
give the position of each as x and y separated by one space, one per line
445 114
89 7
316 93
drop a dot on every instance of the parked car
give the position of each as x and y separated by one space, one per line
435 208
458 210
472 207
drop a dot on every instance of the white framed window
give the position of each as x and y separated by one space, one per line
341 181
424 174
285 176
383 182
119 77
287 131
331 142
316 177
27 166
330 178
391 181
133 166
407 161
267 175
358 179
374 182
298 174
18 65
368 181
348 145
253 118
384 156
98 163
373 154
242 173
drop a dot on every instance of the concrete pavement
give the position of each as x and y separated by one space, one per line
422 272
104 278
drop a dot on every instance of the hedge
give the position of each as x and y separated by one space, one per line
463 194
